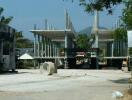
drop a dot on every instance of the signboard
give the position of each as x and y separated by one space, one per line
129 35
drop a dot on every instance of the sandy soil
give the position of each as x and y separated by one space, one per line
66 85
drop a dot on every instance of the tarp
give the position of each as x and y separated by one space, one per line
25 56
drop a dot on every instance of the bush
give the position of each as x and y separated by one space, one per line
25 64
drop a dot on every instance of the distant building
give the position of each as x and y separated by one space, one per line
55 45
110 51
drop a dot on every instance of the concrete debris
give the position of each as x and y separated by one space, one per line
117 95
48 67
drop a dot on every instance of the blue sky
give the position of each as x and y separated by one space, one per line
26 13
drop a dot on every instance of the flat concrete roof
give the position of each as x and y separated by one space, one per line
106 40
121 57
54 34
103 31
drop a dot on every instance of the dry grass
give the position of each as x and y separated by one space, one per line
127 95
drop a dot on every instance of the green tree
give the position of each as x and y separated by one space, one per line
127 16
22 42
120 34
18 35
3 19
91 5
99 5
82 41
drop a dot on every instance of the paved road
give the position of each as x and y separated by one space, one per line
66 85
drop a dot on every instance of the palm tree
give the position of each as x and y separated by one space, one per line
4 20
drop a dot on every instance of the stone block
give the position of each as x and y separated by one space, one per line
49 67
125 69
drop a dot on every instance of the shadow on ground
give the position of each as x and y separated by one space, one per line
121 81
11 73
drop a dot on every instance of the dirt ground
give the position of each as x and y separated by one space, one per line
65 85
127 95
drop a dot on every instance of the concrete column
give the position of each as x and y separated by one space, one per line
1 50
38 46
13 55
48 47
96 25
96 41
34 45
46 24
66 63
112 50
45 48
66 19
65 45
69 23
96 21
34 49
57 52
95 29
42 52
53 50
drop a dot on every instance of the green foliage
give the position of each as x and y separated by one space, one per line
130 51
22 42
1 10
18 35
99 5
127 16
7 46
82 41
3 19
120 34
25 64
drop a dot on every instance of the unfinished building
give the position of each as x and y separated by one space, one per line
55 45
7 48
